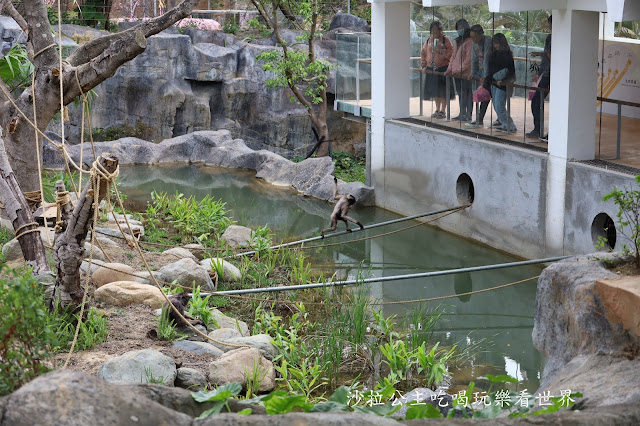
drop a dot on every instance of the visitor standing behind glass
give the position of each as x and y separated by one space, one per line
502 70
435 56
460 69
480 56
543 78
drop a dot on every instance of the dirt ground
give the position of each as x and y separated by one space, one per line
129 329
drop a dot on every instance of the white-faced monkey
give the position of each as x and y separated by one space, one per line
341 209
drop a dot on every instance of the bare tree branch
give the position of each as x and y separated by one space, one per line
94 48
104 65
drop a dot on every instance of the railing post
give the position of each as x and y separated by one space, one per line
421 93
542 95
508 111
447 97
358 71
619 131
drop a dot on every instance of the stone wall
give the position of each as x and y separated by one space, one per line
204 80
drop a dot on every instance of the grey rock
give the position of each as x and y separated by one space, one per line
11 34
144 277
235 365
238 236
191 379
568 317
617 380
97 253
191 335
180 400
140 366
187 272
95 264
198 348
300 419
346 20
311 177
231 273
12 251
224 334
65 397
196 249
225 321
5 223
262 342
180 253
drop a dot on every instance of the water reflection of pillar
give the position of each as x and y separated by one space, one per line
374 252
462 283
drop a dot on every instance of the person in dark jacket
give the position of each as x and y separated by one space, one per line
543 77
502 71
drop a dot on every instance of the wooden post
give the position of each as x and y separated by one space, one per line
69 245
24 225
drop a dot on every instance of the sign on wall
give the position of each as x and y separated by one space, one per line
619 76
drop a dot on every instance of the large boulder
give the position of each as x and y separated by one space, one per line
143 366
262 342
190 378
187 272
225 321
11 250
111 272
199 348
311 177
125 293
348 21
238 236
231 272
65 397
235 365
180 253
586 345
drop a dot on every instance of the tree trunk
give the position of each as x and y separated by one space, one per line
319 120
84 69
69 245
17 208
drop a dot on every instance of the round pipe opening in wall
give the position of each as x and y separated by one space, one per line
464 189
603 228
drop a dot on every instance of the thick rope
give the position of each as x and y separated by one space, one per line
43 50
431 299
383 234
155 281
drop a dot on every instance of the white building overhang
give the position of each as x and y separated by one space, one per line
618 10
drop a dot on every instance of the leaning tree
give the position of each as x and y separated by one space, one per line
295 67
55 82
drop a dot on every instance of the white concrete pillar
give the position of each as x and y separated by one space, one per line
390 78
572 112
574 61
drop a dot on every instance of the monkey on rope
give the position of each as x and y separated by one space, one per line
341 209
180 301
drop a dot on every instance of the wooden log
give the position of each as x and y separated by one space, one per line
17 208
69 245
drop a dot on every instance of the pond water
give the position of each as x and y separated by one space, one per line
504 317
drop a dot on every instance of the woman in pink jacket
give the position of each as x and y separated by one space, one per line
435 56
460 69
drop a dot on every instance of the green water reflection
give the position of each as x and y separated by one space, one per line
504 316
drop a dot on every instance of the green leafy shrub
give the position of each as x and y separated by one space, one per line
628 202
348 168
26 336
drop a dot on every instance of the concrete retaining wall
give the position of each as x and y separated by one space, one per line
421 171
